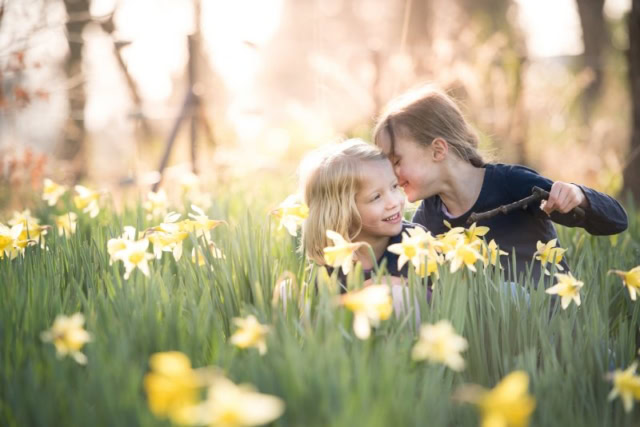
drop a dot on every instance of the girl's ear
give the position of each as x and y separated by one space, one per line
439 149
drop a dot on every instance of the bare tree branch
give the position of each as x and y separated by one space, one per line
537 195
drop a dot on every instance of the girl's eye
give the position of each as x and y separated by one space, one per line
376 197
396 162
396 186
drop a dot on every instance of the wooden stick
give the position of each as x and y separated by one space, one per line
184 113
537 194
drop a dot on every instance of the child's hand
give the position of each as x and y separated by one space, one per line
563 197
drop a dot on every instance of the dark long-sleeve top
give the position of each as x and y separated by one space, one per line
520 230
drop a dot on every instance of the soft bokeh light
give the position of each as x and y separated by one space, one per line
552 26
280 76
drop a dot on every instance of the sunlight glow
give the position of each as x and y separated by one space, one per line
553 26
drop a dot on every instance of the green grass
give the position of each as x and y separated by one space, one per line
314 362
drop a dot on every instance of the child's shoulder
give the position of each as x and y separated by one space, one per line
513 175
510 170
514 180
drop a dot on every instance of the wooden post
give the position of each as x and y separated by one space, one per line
192 108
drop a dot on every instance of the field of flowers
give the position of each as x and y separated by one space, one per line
205 313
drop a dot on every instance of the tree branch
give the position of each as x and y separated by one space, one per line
537 194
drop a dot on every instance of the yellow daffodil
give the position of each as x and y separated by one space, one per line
626 384
68 336
291 213
31 232
231 405
87 200
199 223
167 237
116 247
449 240
19 247
171 386
428 265
411 248
548 253
169 223
369 305
630 279
8 239
508 404
165 242
419 247
568 288
66 223
156 204
439 343
134 256
197 257
341 253
464 254
474 233
250 333
52 192
31 228
427 241
408 250
491 254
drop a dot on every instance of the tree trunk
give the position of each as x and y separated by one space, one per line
73 146
493 16
594 37
419 35
632 169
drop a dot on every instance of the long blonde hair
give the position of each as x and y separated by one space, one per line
426 114
330 178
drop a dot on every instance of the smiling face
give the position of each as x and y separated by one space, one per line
414 164
379 200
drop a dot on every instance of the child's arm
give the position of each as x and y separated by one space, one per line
603 214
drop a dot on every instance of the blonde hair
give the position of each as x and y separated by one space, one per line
330 178
426 114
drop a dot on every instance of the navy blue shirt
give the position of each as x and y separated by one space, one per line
390 258
521 229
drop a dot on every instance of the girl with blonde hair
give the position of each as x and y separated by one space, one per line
350 188
434 152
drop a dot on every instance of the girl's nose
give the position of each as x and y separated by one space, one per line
393 201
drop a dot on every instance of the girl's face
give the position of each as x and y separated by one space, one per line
379 200
414 166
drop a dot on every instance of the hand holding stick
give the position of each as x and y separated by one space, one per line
537 194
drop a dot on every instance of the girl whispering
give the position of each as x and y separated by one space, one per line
435 157
350 188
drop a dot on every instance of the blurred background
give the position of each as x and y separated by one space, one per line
113 92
